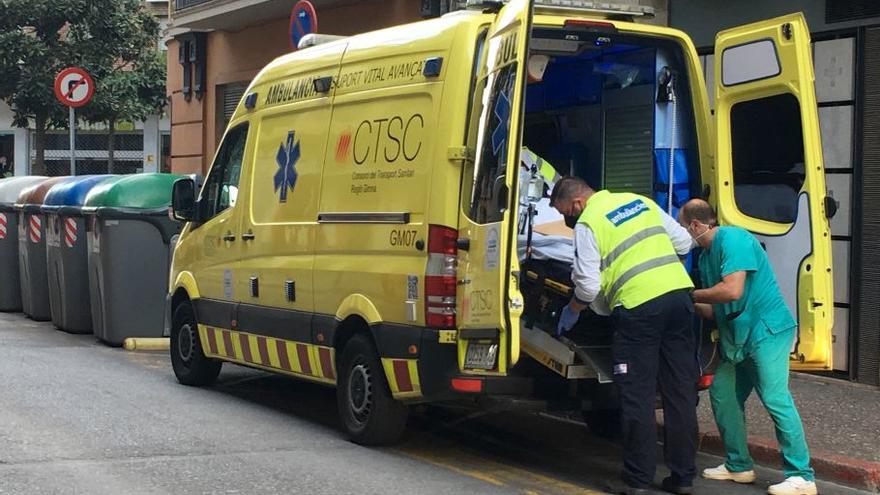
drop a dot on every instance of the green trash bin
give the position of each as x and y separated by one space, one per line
66 252
32 249
129 255
10 283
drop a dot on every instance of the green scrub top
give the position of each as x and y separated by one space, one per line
761 311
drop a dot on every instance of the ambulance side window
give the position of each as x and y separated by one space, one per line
490 196
768 157
221 188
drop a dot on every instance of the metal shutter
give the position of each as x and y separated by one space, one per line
232 94
866 304
629 149
850 10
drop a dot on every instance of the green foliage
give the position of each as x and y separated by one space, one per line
115 40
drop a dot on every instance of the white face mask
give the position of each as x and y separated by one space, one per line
697 237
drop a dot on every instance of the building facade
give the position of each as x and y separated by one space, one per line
846 59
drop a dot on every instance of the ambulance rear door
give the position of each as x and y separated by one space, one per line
770 178
489 301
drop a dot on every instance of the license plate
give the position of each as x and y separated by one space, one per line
481 356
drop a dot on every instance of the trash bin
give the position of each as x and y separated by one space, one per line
32 249
67 253
129 256
10 284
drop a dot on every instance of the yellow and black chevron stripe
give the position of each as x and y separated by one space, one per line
312 362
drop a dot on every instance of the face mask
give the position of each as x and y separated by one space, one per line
571 220
696 238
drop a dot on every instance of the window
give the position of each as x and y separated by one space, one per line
489 195
749 62
768 157
221 188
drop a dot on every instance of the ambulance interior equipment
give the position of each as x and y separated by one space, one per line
615 110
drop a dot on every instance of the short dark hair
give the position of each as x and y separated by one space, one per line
567 189
699 210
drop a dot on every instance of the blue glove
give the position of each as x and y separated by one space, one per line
567 320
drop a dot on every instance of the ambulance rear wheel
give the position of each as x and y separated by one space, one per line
191 366
369 413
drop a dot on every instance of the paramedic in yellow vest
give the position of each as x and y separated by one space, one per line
627 249
757 330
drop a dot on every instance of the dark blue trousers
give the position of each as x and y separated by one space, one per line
655 344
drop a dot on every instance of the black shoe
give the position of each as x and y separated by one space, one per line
672 485
620 487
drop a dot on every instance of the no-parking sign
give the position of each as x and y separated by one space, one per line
303 21
74 87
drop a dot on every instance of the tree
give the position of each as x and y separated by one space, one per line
131 72
115 40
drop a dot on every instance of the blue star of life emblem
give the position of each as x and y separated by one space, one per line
502 112
285 177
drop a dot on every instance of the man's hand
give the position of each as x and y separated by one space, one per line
567 319
705 311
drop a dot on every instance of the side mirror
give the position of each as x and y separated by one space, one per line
183 200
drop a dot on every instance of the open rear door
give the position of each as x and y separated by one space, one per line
490 303
770 177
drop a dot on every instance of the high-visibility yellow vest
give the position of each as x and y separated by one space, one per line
547 171
638 262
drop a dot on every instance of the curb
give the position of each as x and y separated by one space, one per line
856 473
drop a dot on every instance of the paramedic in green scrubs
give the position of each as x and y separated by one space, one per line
756 331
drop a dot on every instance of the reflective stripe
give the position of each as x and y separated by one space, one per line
636 270
628 243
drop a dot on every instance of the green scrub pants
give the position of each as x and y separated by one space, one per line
765 369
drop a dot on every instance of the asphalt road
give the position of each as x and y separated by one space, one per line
79 417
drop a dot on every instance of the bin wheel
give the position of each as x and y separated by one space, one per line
191 366
369 413
604 423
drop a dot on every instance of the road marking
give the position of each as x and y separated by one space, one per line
457 459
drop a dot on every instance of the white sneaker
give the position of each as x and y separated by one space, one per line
721 473
794 485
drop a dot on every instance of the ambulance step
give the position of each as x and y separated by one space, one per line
565 358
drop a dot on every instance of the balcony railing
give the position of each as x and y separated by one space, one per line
184 4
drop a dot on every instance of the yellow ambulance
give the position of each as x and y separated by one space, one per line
368 222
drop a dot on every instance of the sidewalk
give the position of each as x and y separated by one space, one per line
842 424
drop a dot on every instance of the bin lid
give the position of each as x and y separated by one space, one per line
35 194
73 192
138 191
11 187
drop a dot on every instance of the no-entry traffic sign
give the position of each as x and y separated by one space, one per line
303 21
74 87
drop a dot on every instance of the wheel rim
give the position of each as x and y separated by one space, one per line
186 343
360 392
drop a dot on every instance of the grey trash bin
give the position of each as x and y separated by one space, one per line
32 250
67 253
129 255
10 283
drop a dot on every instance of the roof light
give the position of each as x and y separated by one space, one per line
573 5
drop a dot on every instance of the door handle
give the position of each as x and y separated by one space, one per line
248 236
229 237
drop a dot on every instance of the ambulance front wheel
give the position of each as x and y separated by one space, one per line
191 366
369 413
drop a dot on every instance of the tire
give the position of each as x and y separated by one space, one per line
191 366
604 423
369 414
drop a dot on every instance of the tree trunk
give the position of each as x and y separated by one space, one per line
111 144
39 165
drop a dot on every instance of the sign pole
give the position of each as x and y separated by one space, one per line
72 126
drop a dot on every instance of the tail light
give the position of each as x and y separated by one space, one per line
705 382
440 277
